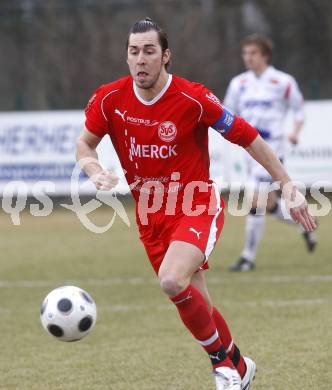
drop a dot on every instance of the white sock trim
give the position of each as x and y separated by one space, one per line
228 350
209 341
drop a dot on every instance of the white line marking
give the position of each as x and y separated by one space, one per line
170 307
277 279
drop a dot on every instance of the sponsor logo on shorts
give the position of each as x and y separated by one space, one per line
198 234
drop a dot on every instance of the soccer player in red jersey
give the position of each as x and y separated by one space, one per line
158 124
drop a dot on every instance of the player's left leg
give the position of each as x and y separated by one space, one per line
198 280
181 261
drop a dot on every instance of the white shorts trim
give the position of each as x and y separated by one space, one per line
213 230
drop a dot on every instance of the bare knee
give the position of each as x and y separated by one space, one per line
171 285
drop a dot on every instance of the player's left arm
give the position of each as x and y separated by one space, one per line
240 132
295 201
295 100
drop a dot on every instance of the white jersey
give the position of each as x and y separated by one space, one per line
264 100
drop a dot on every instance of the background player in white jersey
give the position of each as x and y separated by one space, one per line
263 95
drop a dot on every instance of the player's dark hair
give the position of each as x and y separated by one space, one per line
146 25
264 43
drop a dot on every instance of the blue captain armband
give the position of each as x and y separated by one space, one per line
224 124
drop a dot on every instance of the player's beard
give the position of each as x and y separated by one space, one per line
148 83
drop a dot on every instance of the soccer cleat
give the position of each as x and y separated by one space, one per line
242 265
310 240
227 379
249 375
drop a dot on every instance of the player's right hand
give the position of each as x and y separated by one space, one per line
105 180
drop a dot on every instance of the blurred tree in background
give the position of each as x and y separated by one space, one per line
56 52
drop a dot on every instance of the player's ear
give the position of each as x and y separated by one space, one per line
166 56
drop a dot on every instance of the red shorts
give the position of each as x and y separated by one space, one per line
202 231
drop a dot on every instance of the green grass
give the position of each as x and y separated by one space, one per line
280 314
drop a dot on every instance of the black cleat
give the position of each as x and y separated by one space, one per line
242 265
310 240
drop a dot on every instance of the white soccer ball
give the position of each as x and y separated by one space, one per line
68 313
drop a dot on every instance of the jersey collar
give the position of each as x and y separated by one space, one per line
157 97
265 74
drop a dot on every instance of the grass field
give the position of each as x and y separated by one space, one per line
280 314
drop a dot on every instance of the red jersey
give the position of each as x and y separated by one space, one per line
167 135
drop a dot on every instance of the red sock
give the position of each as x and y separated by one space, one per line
226 338
195 315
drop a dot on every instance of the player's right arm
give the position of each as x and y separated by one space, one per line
96 126
87 157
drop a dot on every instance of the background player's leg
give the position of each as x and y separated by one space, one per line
253 234
180 263
278 210
255 228
198 281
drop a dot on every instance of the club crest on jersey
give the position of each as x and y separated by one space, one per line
167 131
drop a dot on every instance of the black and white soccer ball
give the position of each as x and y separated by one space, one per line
68 313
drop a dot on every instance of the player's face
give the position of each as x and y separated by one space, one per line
253 58
145 58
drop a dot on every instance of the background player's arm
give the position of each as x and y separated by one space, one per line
231 97
295 103
293 137
87 157
298 206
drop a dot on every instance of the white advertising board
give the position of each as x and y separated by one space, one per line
309 162
37 152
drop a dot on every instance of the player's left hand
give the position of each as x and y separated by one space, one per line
293 138
298 208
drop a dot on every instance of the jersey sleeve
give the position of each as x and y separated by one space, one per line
241 132
230 126
95 120
295 99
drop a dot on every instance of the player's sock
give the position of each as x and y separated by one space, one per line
226 338
195 314
254 231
